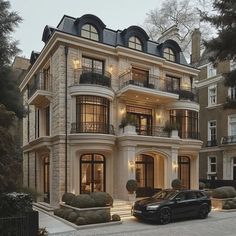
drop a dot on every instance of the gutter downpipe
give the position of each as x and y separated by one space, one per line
66 59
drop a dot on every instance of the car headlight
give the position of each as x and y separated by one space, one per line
152 208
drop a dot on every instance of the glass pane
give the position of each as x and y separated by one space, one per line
85 34
131 45
86 158
93 29
94 36
98 177
98 157
86 27
86 178
140 175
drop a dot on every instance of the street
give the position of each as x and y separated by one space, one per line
217 224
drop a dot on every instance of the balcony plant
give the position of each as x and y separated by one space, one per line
171 128
131 187
128 124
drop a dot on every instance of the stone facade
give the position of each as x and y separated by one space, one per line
112 154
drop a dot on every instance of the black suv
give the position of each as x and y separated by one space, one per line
171 204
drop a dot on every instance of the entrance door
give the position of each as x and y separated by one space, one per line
92 173
144 171
184 171
234 168
46 183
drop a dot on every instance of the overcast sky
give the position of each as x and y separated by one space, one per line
116 14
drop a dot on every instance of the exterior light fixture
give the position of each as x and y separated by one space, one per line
131 165
174 165
76 63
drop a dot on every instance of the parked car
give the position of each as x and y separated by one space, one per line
170 204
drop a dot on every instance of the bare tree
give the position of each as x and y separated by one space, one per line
184 14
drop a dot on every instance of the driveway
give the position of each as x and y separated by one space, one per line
217 224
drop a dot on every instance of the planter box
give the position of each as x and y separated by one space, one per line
128 130
218 203
174 134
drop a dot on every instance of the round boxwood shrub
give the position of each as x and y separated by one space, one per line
176 184
68 197
72 216
83 201
91 217
80 221
224 192
115 217
59 212
66 213
131 185
102 199
104 215
202 185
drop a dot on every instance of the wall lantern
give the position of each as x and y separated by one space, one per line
174 165
76 63
131 165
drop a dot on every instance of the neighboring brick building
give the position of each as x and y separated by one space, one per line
81 87
217 116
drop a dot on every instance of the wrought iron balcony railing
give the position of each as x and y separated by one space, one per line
211 143
92 127
41 81
228 139
87 75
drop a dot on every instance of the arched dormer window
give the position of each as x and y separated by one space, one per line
90 32
169 54
135 43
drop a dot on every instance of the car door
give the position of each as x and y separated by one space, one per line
180 207
192 203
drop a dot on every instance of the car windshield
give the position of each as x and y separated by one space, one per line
164 194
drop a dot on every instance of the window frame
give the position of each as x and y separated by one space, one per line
211 71
230 121
168 53
136 42
209 128
212 96
92 30
210 163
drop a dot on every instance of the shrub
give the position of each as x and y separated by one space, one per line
91 217
128 120
169 126
66 213
131 185
176 184
13 204
102 199
68 197
224 192
202 185
83 201
32 192
104 215
72 216
115 217
59 212
80 221
42 232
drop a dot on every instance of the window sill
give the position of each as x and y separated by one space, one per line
213 106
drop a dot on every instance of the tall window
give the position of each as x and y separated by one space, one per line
187 121
46 178
93 64
211 71
169 54
92 114
92 173
212 133
90 32
135 43
172 83
232 125
232 93
140 77
212 95
211 165
144 171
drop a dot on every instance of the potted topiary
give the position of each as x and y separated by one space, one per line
176 184
131 187
128 124
172 129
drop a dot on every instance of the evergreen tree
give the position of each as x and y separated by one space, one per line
223 45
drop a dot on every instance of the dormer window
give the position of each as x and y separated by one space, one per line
135 43
169 54
90 32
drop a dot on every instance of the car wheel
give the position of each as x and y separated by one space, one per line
165 216
203 212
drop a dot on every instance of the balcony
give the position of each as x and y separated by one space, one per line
230 103
40 90
155 86
228 139
211 143
188 135
92 76
92 127
157 131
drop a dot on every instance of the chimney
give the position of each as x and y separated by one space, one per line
196 39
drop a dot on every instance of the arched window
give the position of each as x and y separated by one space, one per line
92 173
135 43
90 32
169 54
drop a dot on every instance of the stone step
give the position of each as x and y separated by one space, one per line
43 205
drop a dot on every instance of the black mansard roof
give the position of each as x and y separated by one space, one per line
114 38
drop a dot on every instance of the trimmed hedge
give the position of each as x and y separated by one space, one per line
229 204
224 192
